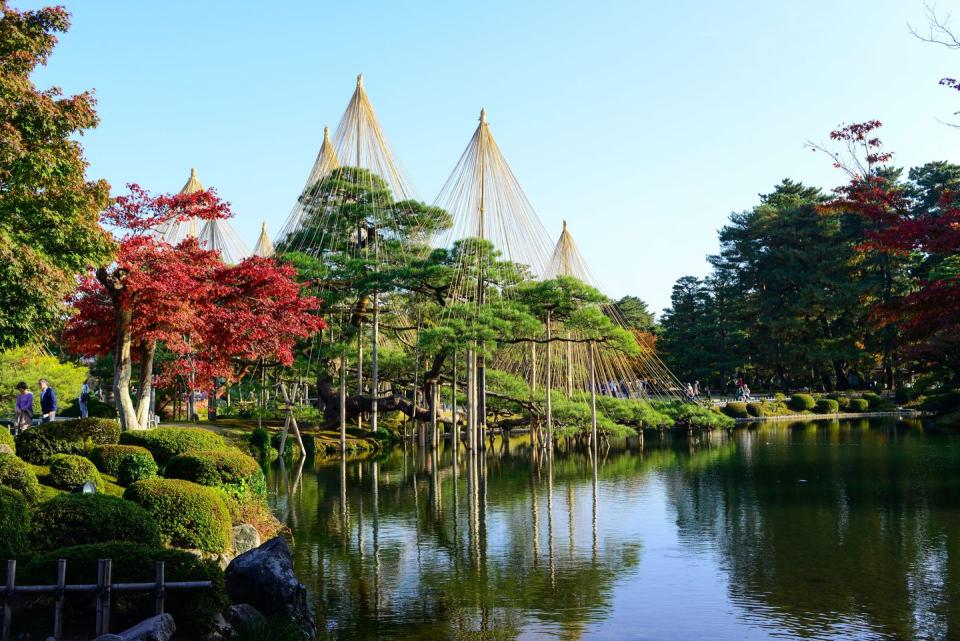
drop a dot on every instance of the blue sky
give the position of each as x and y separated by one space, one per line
644 124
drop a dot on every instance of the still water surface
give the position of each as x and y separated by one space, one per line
819 530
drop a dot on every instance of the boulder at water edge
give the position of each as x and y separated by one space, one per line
158 628
264 578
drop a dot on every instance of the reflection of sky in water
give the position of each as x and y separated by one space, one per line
818 532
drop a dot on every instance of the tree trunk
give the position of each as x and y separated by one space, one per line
122 372
147 353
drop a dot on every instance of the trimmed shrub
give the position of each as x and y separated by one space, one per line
736 409
6 438
802 402
166 442
230 470
37 444
843 402
136 466
15 473
69 471
859 405
756 409
189 515
287 447
193 610
941 403
827 406
904 395
14 523
873 399
95 409
107 457
79 519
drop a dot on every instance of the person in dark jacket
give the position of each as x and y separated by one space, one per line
48 402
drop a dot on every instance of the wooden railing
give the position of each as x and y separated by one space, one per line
102 589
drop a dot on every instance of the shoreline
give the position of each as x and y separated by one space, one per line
821 417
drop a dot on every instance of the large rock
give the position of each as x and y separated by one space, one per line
245 538
158 628
243 615
264 578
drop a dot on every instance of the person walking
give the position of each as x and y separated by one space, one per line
23 417
84 398
48 402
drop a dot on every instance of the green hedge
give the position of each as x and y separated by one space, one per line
736 409
756 409
941 403
136 466
107 457
802 402
14 523
190 516
6 438
15 473
79 519
166 442
68 471
859 405
229 469
193 610
37 444
827 406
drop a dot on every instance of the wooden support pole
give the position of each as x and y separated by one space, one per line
593 398
549 386
8 599
375 357
343 402
432 387
454 425
160 589
58 599
533 395
470 393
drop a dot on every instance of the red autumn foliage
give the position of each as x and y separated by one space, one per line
213 317
929 313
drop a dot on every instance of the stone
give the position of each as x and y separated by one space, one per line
264 578
103 637
245 538
5 449
242 615
158 628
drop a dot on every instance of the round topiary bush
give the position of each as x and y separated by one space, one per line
756 409
78 519
107 457
827 406
14 523
859 405
736 409
229 469
166 442
37 444
136 466
69 471
802 402
190 515
193 610
309 445
6 438
15 473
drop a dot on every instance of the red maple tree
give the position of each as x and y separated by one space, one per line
929 315
215 319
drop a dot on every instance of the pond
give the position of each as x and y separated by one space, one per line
817 530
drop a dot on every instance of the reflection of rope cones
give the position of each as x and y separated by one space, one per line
216 234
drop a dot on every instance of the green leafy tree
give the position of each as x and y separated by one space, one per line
48 208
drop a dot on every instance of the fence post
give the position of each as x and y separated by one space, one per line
59 595
107 586
99 599
8 598
160 589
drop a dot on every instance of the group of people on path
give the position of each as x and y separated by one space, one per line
23 406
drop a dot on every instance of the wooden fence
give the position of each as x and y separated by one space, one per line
102 589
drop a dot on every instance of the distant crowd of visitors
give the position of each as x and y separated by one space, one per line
23 405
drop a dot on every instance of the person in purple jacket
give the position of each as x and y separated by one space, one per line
24 408
48 402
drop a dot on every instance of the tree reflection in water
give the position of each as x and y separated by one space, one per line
814 530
